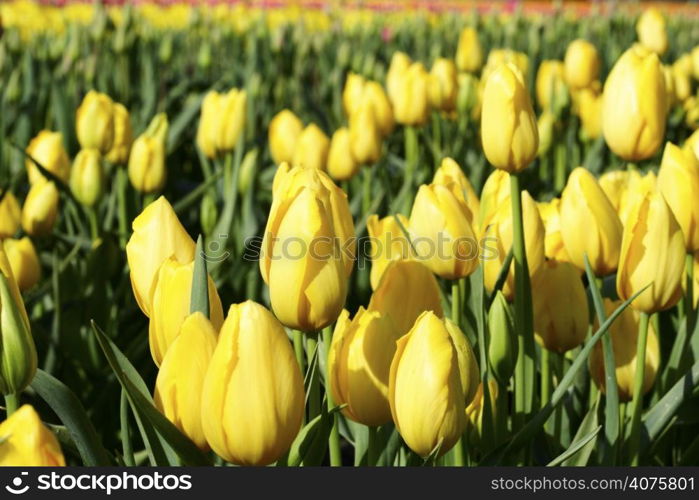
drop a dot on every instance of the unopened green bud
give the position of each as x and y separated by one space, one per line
502 350
208 214
246 177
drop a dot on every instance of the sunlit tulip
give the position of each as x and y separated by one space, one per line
496 191
475 411
400 62
669 78
24 262
545 124
352 93
582 64
410 99
40 208
551 91
147 169
208 123
468 100
694 54
508 124
231 119
10 215
311 148
123 136
359 363
469 54
652 252
692 144
634 109
681 81
252 401
157 236
341 163
178 388
651 30
443 87
48 150
590 114
589 224
434 376
284 131
26 442
554 248
87 177
449 172
388 243
497 57
375 94
624 335
406 290
365 136
94 122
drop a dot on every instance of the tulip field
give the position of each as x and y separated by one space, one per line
379 233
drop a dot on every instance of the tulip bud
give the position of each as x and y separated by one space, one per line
652 251
590 113
27 442
434 376
681 82
496 191
209 123
157 236
388 243
147 170
284 131
400 62
47 149
544 126
553 241
633 106
40 208
94 122
624 335
551 91
311 148
497 57
352 93
499 233
410 99
123 136
651 31
692 144
508 127
691 112
469 54
24 262
584 205
443 87
443 236
341 164
180 379
87 177
359 364
475 412
365 136
252 424
10 215
449 172
17 350
581 64
468 100
376 96
232 112
503 347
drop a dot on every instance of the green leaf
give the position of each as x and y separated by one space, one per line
199 301
310 445
70 410
578 453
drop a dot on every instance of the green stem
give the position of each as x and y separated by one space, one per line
94 226
334 440
298 350
411 158
11 404
637 401
455 303
372 448
314 388
437 136
122 186
126 446
545 376
367 177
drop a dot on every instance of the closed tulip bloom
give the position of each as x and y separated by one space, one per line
123 136
434 376
400 62
48 150
499 238
551 91
496 57
252 401
147 169
27 442
94 122
365 136
157 236
651 30
670 95
443 86
375 94
590 113
681 81
352 93
171 305
508 126
406 290
178 388
560 307
10 215
678 181
589 224
40 208
284 131
449 172
624 335
496 191
652 252
634 108
410 100
388 243
475 412
232 113
311 148
359 364
554 248
469 54
502 346
207 133
24 262
87 177
582 64
621 187
442 233
341 164
545 124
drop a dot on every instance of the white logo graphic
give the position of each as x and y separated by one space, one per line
16 487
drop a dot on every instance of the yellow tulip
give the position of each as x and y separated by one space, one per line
448 173
388 243
359 363
694 54
375 94
434 376
508 124
469 54
554 248
27 442
87 177
544 125
208 123
499 234
581 64
341 164
496 57
624 335
10 215
475 411
352 93
443 86
691 112
365 136
178 388
551 91
157 236
40 208
252 401
651 30
94 122
496 191
123 136
589 224
410 99
681 81
692 144
406 290
147 169
311 148
441 232
633 106
590 114
652 252
669 78
468 100
24 262
232 113
48 150
400 62
284 131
